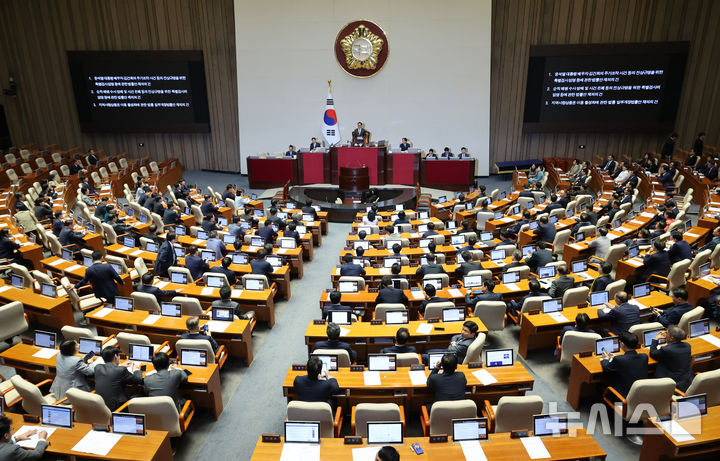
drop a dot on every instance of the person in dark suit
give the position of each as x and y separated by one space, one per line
359 135
600 283
171 215
539 258
401 218
560 285
291 152
208 223
333 333
668 147
714 241
486 293
350 269
317 386
680 307
404 145
103 278
468 265
224 268
430 297
166 255
463 153
554 205
610 165
622 316
514 306
448 385
680 249
260 266
225 301
517 261
674 359
400 347
447 154
57 223
584 221
526 192
228 193
314 144
111 378
147 287
582 320
627 368
712 172
167 380
430 230
207 206
665 178
308 209
526 219
159 206
390 294
11 451
193 327
196 265
627 196
267 232
68 237
460 343
430 268
334 305
657 263
100 209
699 144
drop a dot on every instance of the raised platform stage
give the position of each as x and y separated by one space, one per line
326 198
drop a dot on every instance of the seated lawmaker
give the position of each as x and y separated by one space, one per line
260 265
333 333
430 297
486 293
622 316
447 153
672 315
291 152
680 249
111 378
10 450
166 381
389 294
195 264
194 332
147 287
314 144
600 283
656 263
317 386
430 268
626 368
463 153
400 347
348 268
431 155
546 230
334 305
468 265
225 301
448 385
224 268
673 360
404 145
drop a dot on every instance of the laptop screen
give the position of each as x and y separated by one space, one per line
339 317
437 283
239 258
254 285
178 277
193 357
364 244
398 317
457 239
599 297
45 339
128 423
89 345
640 290
424 243
699 328
202 235
288 243
470 429
117 268
442 199
554 424
329 361
705 269
215 281
381 362
423 215
690 406
222 313
180 230
451 225
257 241
123 304
434 358
499 357
579 266
87 261
486 236
607 344
390 243
48 290
384 432
275 261
57 416
208 254
140 352
633 251
307 217
422 228
552 305
348 287
453 314
151 247
533 225
302 432
228 239
222 222
511 277
527 250
497 255
388 262
16 281
171 309
129 242
498 215
546 272
649 335
470 281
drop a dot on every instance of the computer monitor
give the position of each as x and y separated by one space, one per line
216 281
641 289
688 225
579 266
87 261
450 225
553 424
224 314
339 317
437 283
290 244
253 197
179 278
128 424
254 284
202 235
692 406
468 206
527 250
453 314
329 361
49 290
486 237
382 362
56 416
140 352
257 241
123 304
228 239
398 317
117 268
258 213
470 429
359 261
552 305
308 217
422 228
398 283
222 222
569 214
364 244
180 231
458 239
171 309
533 225
515 210
497 255
348 286
208 255
553 219
384 432
471 281
239 258
302 432
90 227
633 251
391 260
599 298
610 345
87 345
67 255
699 328
498 215
193 357
434 358
530 204
649 336
389 243
142 218
499 358
129 242
45 339
302 230
511 277
152 247
705 269
617 223
17 281
424 243
442 199
423 215
423 260
275 261
546 272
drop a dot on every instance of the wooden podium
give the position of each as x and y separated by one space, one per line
354 179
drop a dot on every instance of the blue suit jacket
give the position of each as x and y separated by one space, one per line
354 270
622 317
679 251
103 279
165 258
196 266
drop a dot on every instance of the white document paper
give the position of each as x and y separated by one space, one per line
384 271
512 287
123 249
336 271
161 285
218 326
558 317
624 230
97 443
676 431
344 331
282 251
575 246
636 222
57 262
473 450
150 319
455 293
103 312
417 377
484 377
637 303
634 262
198 241
424 329
136 253
365 453
236 293
506 220
371 378
417 294
711 339
32 442
584 275
535 447
690 234
46 353
73 268
645 214
252 249
5 288
207 291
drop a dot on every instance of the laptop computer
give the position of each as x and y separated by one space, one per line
123 304
140 353
511 277
45 339
152 247
128 424
302 432
382 362
179 278
692 406
87 345
470 429
552 305
171 309
552 424
609 345
472 281
397 317
546 272
193 357
649 336
209 255
527 250
453 314
499 358
49 290
699 328
253 285
56 416
239 258
487 238
216 281
348 286
339 317
640 290
599 298
224 314
384 432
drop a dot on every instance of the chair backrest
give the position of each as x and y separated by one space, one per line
110 234
588 230
676 277
708 383
574 342
615 287
32 398
157 220
160 414
690 316
575 296
559 212
112 167
312 411
603 221
442 413
639 329
65 170
615 253
75 333
140 266
524 271
492 314
382 308
145 302
365 412
406 359
202 344
486 274
516 412
523 201
12 319
483 217
26 169
123 162
57 158
119 261
89 408
197 213
434 310
260 277
444 279
343 356
701 258
181 270
22 271
349 278
561 238
657 392
474 351
188 305
124 339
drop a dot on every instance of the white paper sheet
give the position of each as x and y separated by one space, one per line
365 453
384 271
161 285
371 378
637 303
207 291
198 241
424 328
575 246
558 317
634 262
344 331
512 287
236 293
636 222
57 262
103 312
676 431
73 268
252 249
506 220
136 253
473 450
645 214
150 319
535 447
417 377
218 326
32 442
46 353
97 443
711 339
5 288
123 249
484 377
417 294
585 276
455 293
690 234
282 251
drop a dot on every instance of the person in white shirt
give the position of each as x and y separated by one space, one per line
602 243
370 219
624 174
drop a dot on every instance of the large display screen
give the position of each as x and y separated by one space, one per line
140 91
621 87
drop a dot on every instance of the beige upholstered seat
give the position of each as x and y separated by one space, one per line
343 356
675 279
524 271
145 302
434 310
32 398
706 383
161 414
491 313
89 408
615 288
125 339
75 333
444 279
140 266
382 308
574 342
407 359
657 392
189 306
347 278
442 413
12 319
474 352
486 274
639 329
364 412
514 412
316 411
701 258
22 271
690 316
575 296
561 239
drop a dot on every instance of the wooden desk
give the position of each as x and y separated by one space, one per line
701 288
51 312
499 447
586 373
706 445
154 446
541 330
